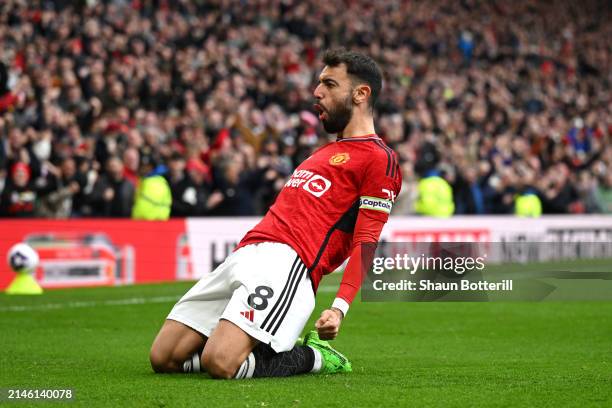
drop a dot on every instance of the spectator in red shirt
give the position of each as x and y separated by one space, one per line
19 195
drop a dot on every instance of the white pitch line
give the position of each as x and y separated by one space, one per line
69 305
115 302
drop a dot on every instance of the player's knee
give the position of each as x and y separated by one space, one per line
158 361
161 361
220 365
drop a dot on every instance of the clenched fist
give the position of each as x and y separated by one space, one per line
329 323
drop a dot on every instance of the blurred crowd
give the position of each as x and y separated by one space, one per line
498 98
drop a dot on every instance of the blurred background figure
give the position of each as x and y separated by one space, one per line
153 197
19 196
131 162
468 192
435 194
113 195
527 203
604 194
62 189
236 186
190 191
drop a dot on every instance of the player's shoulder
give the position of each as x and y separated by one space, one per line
374 151
371 144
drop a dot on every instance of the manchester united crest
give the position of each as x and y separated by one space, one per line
339 159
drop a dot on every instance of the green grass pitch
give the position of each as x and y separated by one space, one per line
96 341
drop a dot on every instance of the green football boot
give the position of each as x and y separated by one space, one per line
333 360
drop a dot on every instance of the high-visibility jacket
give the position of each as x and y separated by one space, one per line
153 199
527 205
435 197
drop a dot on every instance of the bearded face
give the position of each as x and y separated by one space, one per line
334 98
336 117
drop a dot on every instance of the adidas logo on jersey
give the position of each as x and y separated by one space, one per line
249 314
375 203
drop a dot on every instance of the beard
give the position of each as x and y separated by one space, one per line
338 116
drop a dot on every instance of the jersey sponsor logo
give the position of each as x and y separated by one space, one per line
317 185
375 203
313 183
339 159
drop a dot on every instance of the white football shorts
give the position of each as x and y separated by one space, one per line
264 289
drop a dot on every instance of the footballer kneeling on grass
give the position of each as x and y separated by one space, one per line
243 319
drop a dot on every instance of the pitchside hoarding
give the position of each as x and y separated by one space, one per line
115 252
97 252
212 240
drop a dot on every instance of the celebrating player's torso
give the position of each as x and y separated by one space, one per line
315 212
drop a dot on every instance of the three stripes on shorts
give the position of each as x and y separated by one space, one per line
273 321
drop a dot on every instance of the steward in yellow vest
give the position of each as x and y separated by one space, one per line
435 198
153 200
527 204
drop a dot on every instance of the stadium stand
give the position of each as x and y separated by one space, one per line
502 99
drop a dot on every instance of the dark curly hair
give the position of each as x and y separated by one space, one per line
360 67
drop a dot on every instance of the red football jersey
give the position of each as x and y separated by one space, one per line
316 211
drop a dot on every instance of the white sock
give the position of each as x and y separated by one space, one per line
318 360
192 365
247 368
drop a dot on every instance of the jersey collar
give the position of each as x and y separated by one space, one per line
371 136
